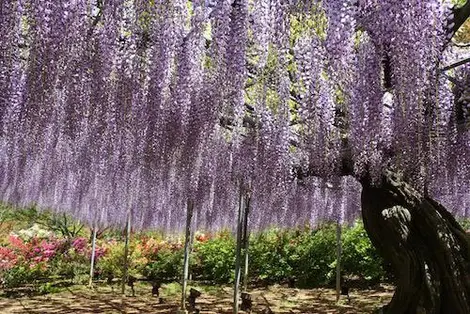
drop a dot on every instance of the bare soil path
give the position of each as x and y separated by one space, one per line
214 300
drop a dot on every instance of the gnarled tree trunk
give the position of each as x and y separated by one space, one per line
428 250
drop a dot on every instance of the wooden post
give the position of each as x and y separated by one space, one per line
92 262
246 240
338 261
126 253
187 241
236 284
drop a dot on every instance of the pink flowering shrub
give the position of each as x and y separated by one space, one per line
80 244
35 250
100 251
8 258
24 259
151 247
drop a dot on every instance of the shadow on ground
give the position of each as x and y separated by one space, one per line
215 300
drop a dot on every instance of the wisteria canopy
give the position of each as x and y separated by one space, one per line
107 106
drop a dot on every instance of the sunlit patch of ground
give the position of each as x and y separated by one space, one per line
214 299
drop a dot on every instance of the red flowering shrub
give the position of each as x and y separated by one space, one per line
202 237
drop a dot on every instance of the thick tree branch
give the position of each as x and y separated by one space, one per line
460 16
387 70
96 18
457 64
462 45
346 167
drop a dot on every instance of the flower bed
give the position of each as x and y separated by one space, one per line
303 257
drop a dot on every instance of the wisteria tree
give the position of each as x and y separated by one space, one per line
118 106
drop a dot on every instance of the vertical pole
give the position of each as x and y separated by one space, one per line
187 240
191 241
338 261
92 262
236 287
126 253
246 238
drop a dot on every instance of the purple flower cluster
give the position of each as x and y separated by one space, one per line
125 106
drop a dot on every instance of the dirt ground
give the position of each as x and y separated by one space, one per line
214 300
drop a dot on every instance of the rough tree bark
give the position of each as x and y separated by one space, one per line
428 250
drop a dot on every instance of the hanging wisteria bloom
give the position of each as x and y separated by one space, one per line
135 106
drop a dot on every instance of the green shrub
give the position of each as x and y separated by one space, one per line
46 288
359 256
271 256
214 259
315 252
304 257
21 275
464 223
71 265
166 266
111 264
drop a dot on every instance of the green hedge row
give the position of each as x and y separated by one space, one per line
301 258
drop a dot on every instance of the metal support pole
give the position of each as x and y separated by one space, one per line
187 241
338 261
246 240
191 241
126 254
236 287
92 262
